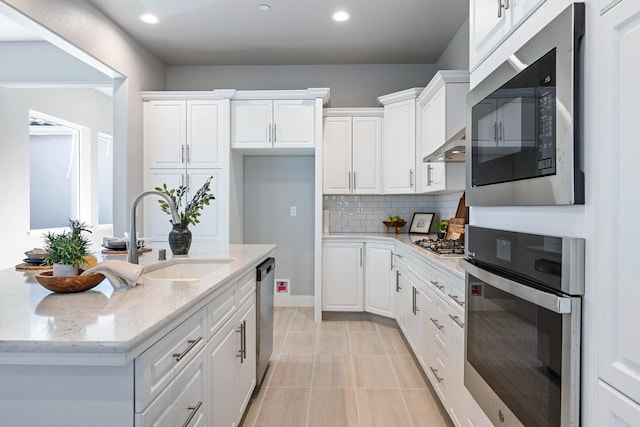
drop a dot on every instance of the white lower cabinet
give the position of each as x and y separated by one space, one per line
616 409
379 279
342 276
232 360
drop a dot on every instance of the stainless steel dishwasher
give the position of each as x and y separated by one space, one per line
264 323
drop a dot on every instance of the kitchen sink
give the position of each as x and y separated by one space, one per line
184 269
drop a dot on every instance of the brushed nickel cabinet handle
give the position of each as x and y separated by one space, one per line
269 134
456 320
240 330
188 153
354 181
182 153
457 300
398 287
192 343
506 4
244 339
350 187
275 133
360 257
436 284
391 261
435 322
410 178
194 411
435 374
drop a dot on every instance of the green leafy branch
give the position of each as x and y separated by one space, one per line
192 210
68 247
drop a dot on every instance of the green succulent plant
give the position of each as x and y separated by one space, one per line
192 209
68 247
442 226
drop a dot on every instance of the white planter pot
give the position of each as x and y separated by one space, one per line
65 270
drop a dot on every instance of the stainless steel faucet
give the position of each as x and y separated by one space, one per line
133 237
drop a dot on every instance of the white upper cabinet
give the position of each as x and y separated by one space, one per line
617 201
491 21
181 133
273 123
442 106
352 154
399 142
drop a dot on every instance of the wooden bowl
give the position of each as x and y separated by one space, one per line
397 224
68 284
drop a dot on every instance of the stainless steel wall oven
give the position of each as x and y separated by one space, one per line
523 317
524 122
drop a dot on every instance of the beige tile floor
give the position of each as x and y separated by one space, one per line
341 373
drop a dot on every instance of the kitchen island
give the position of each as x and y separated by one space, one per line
121 358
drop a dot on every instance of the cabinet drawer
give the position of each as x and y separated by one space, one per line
246 286
439 322
158 365
457 292
182 402
221 309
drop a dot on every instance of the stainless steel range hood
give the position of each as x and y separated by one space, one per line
451 151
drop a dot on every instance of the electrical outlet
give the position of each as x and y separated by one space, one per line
294 211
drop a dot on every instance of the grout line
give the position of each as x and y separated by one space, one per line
353 374
313 371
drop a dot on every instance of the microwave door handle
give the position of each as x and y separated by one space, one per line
548 300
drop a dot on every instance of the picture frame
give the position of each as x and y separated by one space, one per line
421 223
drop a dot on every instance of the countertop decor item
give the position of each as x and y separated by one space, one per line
66 251
394 222
180 236
68 284
442 228
421 222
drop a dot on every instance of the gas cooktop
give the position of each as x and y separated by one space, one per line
442 247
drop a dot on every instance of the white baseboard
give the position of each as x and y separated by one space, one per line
287 300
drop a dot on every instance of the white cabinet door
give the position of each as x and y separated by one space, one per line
367 155
336 160
380 279
212 227
205 134
404 304
342 276
399 148
165 134
521 10
223 351
247 364
617 200
251 124
489 23
434 123
294 123
615 409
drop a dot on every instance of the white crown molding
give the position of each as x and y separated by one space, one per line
215 94
440 79
403 95
353 112
310 93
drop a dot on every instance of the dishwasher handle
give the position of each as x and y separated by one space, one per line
265 268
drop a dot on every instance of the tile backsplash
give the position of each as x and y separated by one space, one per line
364 214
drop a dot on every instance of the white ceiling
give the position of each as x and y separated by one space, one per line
237 32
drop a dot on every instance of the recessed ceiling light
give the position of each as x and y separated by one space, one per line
340 16
148 18
264 7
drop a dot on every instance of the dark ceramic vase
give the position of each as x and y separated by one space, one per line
180 239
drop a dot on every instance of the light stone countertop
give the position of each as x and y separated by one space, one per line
448 264
112 327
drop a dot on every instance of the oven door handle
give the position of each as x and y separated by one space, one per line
548 300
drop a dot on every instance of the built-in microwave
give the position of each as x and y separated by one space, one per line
524 127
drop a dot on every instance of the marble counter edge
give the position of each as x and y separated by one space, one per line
117 353
423 254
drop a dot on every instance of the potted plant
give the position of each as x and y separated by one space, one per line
442 229
180 236
66 251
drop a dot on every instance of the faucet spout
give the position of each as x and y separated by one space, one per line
132 256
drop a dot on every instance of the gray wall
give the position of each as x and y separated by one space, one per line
456 55
351 85
272 184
